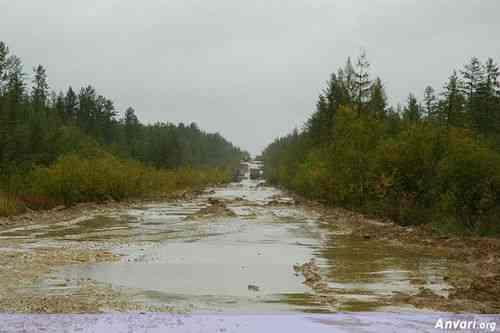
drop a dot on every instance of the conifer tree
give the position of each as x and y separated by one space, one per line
377 103
362 82
430 103
487 116
413 111
70 104
472 77
453 106
40 90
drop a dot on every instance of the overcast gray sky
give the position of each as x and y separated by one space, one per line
251 70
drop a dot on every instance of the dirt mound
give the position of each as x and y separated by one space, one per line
278 200
313 279
216 208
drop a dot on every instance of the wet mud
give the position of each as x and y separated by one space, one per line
241 247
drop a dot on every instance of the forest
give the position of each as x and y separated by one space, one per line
73 146
433 162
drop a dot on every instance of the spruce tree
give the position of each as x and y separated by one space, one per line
40 90
377 103
412 111
487 116
70 104
362 82
131 126
430 103
453 104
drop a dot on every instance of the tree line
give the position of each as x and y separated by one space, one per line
39 127
434 160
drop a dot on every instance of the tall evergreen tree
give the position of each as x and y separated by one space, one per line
472 77
40 90
86 112
487 116
347 76
453 104
58 105
131 126
377 103
70 104
14 112
15 87
362 82
413 111
430 103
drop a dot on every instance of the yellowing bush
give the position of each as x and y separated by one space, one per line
76 179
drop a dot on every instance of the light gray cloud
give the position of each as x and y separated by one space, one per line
251 70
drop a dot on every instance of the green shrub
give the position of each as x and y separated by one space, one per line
406 174
469 180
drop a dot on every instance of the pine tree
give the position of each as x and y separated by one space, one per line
15 87
453 104
362 82
335 93
318 125
104 118
87 110
430 103
377 103
492 73
347 76
14 113
70 104
58 105
131 126
40 90
487 116
413 111
472 77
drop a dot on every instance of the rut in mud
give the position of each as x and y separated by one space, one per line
243 247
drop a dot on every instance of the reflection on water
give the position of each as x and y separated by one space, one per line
206 263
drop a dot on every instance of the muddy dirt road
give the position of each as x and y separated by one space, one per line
243 248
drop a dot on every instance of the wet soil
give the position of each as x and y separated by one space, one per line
472 263
244 247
